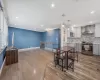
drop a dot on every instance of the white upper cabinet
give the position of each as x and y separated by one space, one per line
77 32
97 30
74 32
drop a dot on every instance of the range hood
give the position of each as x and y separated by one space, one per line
87 30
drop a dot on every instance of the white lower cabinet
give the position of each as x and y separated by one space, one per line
96 49
97 30
77 46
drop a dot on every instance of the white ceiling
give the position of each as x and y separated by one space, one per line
34 13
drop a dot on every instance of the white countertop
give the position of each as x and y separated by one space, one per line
73 42
96 43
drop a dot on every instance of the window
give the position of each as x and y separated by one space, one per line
3 30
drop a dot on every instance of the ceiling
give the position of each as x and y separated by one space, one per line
39 15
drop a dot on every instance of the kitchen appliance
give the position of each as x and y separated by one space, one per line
87 48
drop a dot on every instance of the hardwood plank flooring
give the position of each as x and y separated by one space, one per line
88 68
38 65
30 67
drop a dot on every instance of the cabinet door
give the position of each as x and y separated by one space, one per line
97 30
96 49
77 31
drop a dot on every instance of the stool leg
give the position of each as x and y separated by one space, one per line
62 64
77 57
73 65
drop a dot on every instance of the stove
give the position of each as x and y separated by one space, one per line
87 48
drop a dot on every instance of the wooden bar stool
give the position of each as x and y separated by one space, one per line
59 58
75 54
71 59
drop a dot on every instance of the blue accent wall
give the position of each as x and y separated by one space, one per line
2 55
24 38
27 38
52 36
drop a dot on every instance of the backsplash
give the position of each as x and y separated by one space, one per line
96 41
88 33
88 38
74 40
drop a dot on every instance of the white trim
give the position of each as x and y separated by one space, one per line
27 29
26 49
2 66
50 49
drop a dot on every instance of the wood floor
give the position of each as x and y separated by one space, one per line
38 65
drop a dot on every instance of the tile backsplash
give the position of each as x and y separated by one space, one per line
74 40
96 40
87 38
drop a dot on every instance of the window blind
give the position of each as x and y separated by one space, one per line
3 30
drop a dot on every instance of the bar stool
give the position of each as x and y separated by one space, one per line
71 59
59 58
72 56
75 54
74 51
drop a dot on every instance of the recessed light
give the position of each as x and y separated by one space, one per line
63 25
52 5
16 17
92 12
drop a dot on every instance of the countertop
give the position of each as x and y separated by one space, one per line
11 48
80 43
87 43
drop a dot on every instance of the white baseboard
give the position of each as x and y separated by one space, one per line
50 49
2 66
26 49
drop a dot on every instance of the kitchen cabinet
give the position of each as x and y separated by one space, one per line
74 32
97 30
96 49
77 32
77 46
